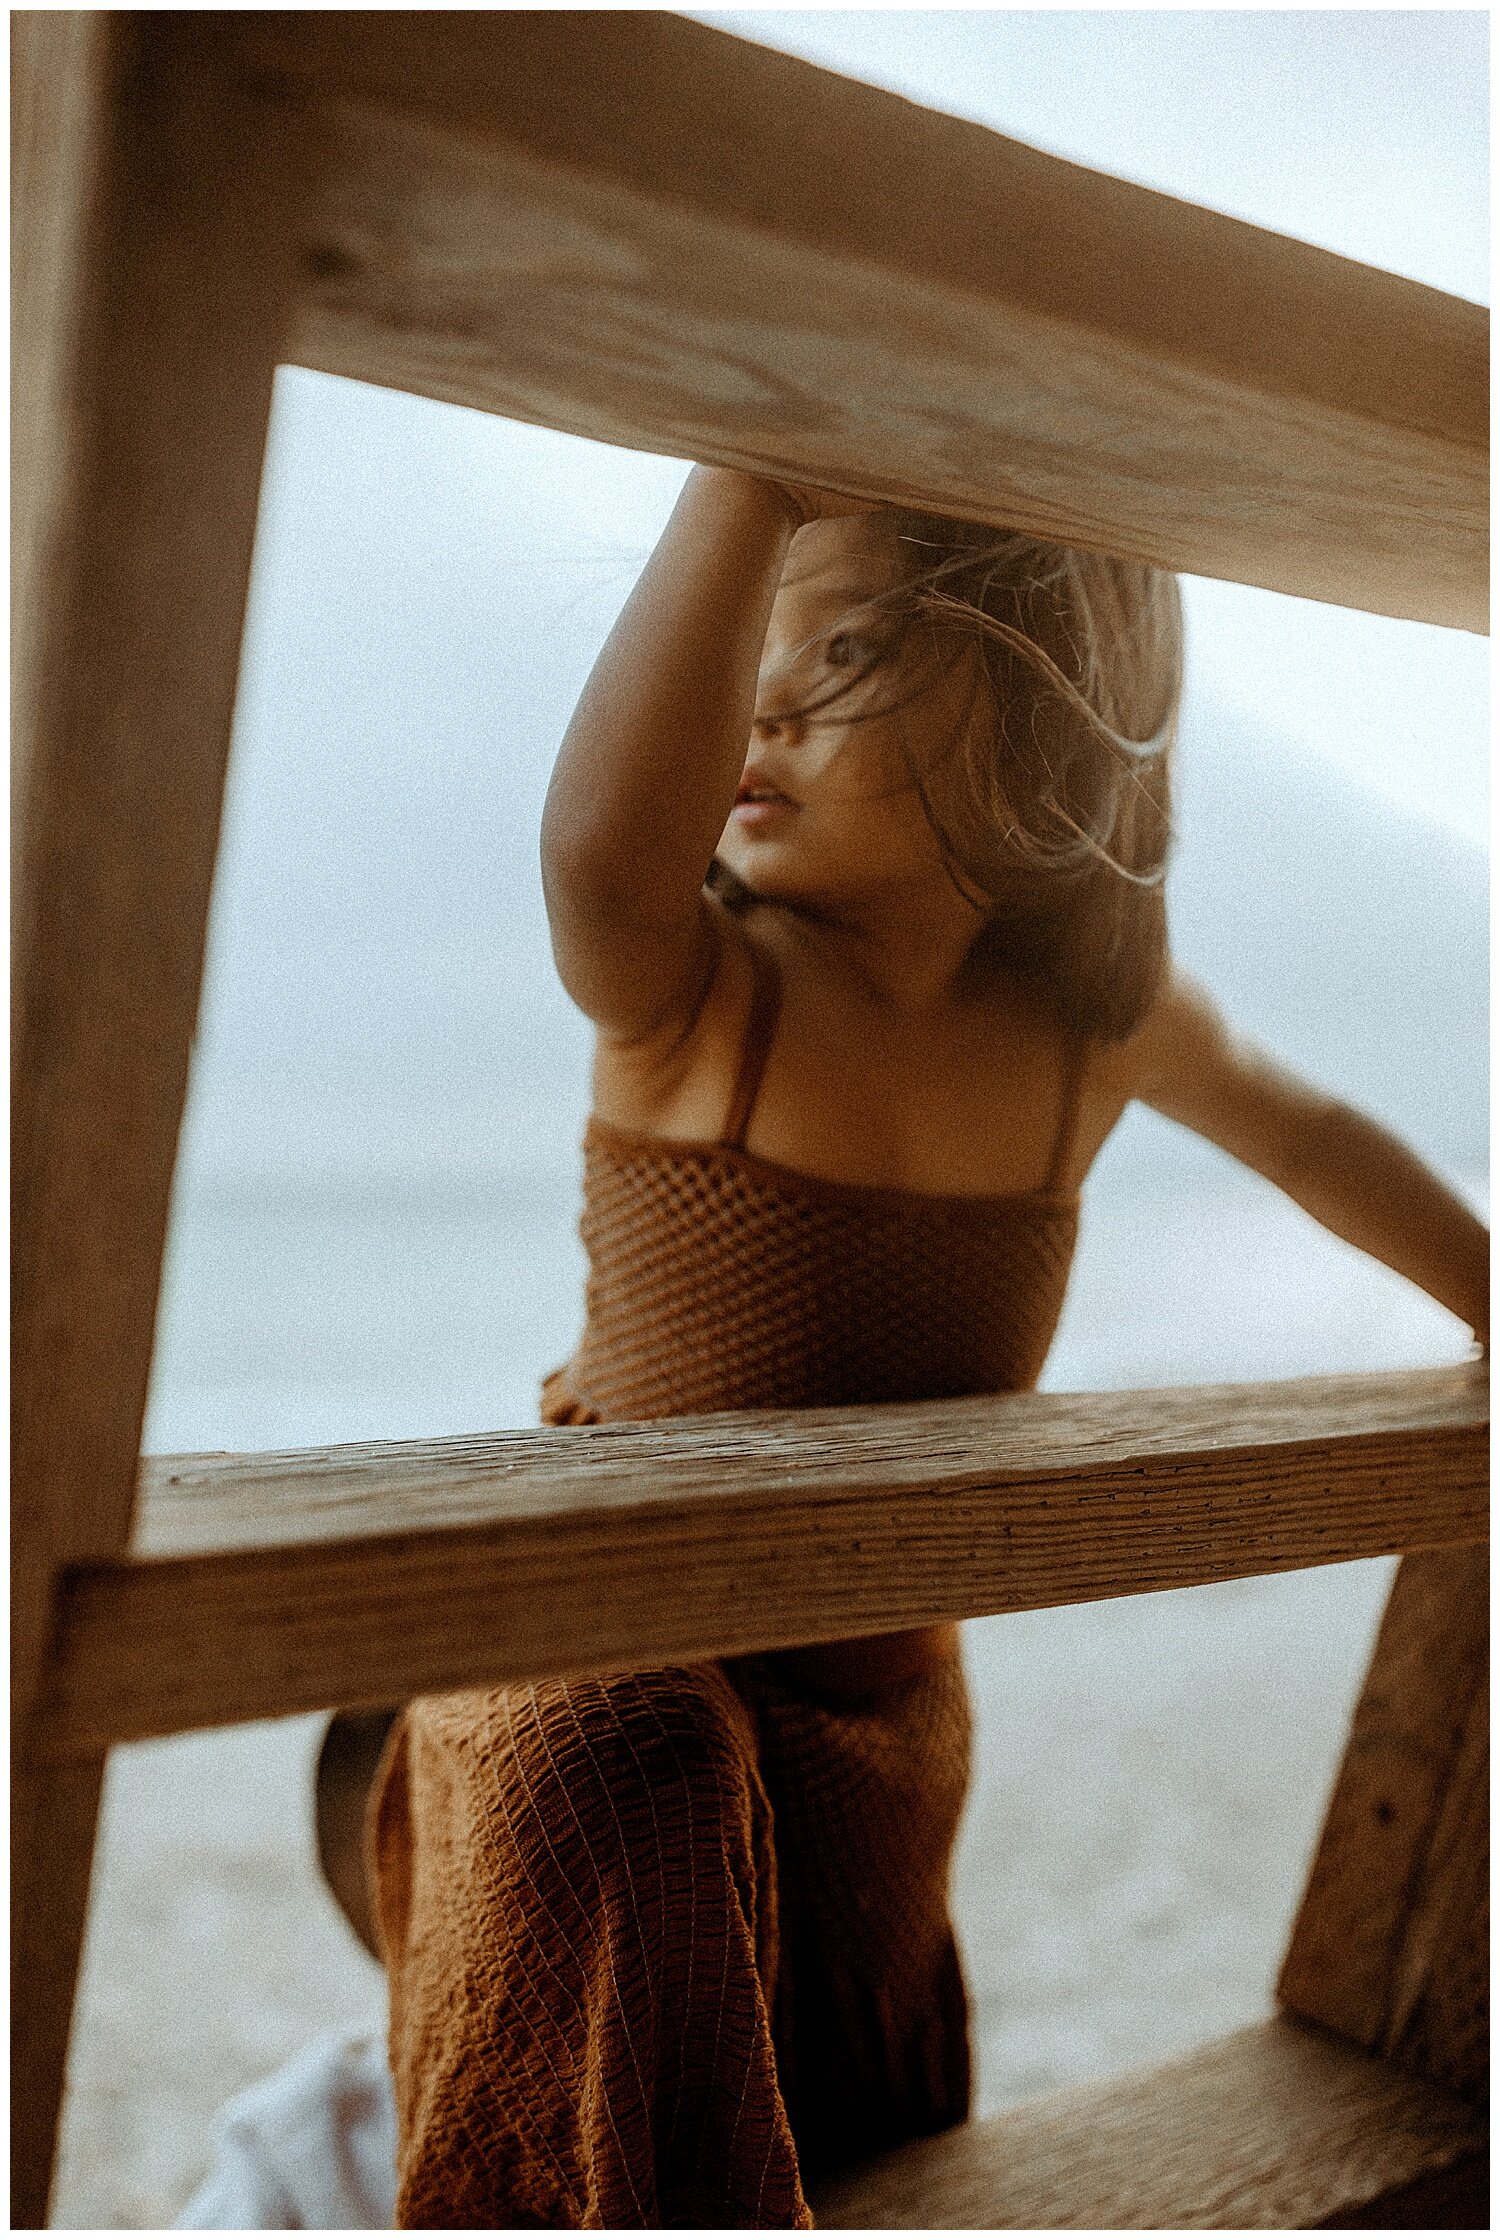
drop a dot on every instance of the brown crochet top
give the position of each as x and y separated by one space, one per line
719 1279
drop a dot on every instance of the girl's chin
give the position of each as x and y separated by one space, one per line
770 870
739 851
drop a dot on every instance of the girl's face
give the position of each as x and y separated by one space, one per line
828 811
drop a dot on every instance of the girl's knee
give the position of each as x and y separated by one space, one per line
581 1793
668 1740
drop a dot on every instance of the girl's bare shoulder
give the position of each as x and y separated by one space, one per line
1168 1061
1188 1062
1181 1033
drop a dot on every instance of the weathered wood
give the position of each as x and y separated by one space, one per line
60 66
1277 2128
1390 1945
1439 2021
1453 2200
63 69
54 1819
363 1574
155 232
640 229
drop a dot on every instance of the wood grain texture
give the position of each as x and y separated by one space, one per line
1277 2128
59 1807
1439 2019
1390 1946
64 69
60 67
156 239
124 743
642 230
265 1584
1453 2200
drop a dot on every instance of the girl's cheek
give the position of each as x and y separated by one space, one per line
860 762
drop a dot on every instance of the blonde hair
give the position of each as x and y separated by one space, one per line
1052 803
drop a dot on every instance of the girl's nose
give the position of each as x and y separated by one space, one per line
777 715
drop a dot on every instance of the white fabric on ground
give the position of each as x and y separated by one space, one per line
311 2148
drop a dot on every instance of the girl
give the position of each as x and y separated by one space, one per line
870 994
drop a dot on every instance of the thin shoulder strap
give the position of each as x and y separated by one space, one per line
1075 1059
765 1003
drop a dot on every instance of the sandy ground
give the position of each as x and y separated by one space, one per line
1151 1772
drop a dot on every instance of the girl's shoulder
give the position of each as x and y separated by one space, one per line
1182 1033
1187 1062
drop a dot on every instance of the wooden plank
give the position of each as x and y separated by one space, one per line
63 66
640 229
1439 2018
60 64
1390 1946
1453 2200
364 1574
54 1819
155 240
1277 2128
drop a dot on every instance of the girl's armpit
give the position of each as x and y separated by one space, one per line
675 1076
638 976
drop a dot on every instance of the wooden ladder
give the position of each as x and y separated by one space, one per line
635 228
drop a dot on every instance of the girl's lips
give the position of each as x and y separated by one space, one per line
760 808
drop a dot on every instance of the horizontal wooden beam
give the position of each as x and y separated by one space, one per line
643 230
262 1584
1275 2128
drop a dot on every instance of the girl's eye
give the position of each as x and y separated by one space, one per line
846 651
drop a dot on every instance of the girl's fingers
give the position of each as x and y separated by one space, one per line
811 504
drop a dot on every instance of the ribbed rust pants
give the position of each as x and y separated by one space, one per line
665 1947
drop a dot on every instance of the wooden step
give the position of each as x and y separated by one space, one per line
1280 2127
263 1584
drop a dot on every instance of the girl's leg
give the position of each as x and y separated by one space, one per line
577 1904
348 1759
870 2017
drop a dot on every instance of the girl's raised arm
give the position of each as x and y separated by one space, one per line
651 761
1347 1171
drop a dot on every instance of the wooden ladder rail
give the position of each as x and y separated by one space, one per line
268 1583
626 225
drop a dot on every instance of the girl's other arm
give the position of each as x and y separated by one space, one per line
651 761
1347 1171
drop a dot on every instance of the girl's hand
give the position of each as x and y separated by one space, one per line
808 503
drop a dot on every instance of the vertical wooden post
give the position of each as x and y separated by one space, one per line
157 257
1390 1947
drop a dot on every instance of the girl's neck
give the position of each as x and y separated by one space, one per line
909 958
